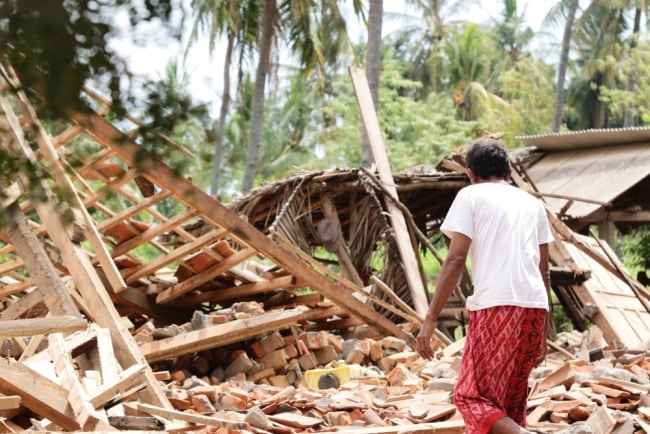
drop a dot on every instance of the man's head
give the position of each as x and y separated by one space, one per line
487 159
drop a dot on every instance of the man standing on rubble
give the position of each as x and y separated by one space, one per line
507 233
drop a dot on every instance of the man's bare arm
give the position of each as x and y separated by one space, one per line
544 267
544 270
452 269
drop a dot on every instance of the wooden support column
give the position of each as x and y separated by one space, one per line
608 232
402 237
342 251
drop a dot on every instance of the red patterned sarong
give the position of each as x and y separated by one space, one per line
501 349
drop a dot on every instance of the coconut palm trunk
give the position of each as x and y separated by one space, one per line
560 94
223 113
257 115
373 67
629 118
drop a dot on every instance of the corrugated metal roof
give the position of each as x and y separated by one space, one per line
601 174
587 138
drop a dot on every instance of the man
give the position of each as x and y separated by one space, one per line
506 232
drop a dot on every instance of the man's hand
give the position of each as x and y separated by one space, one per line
423 340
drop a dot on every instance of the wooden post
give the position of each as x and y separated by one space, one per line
607 231
371 124
342 251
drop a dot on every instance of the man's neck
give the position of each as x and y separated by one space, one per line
494 179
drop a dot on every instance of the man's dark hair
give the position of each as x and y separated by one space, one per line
488 158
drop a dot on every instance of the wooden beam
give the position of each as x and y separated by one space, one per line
401 233
629 216
41 326
10 402
176 254
191 417
288 257
225 334
446 427
203 277
236 292
570 198
151 233
37 393
135 209
342 251
108 366
128 379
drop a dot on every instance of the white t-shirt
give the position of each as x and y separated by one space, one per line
507 226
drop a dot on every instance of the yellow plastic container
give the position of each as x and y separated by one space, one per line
325 378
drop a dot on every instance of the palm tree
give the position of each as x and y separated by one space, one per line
237 20
640 7
599 42
305 24
266 40
373 67
512 35
428 28
568 7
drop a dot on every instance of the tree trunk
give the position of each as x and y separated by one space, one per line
257 116
41 271
225 106
564 60
629 118
373 67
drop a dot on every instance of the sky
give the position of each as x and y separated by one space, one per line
153 51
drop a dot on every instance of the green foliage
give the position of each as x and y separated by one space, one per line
635 66
416 131
636 249
528 87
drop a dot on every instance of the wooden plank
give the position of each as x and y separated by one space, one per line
151 233
31 347
10 402
288 257
108 366
203 277
190 417
9 266
37 393
447 427
86 415
401 233
128 379
176 254
241 291
42 326
135 209
342 251
223 334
